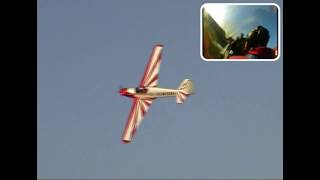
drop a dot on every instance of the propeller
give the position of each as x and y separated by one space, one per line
121 89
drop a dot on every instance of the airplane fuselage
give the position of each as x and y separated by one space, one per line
148 92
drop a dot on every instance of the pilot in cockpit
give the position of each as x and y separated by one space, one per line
141 90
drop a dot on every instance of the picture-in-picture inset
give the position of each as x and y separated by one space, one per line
239 32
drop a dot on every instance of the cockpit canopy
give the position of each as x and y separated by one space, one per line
141 90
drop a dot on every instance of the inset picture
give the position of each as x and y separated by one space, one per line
240 32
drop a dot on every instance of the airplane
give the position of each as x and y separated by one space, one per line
147 91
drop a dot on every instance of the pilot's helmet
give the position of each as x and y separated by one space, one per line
258 37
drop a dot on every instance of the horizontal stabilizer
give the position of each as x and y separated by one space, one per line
185 89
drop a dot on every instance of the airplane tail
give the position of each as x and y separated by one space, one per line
185 89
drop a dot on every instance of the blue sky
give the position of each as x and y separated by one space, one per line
231 127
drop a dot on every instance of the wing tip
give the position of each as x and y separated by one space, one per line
125 141
158 44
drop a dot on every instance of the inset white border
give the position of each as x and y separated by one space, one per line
231 60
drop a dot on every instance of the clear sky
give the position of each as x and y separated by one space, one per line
231 127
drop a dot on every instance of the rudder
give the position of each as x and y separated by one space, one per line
185 89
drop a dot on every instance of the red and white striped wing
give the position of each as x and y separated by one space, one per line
138 110
150 76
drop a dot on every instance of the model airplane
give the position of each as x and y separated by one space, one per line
148 91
